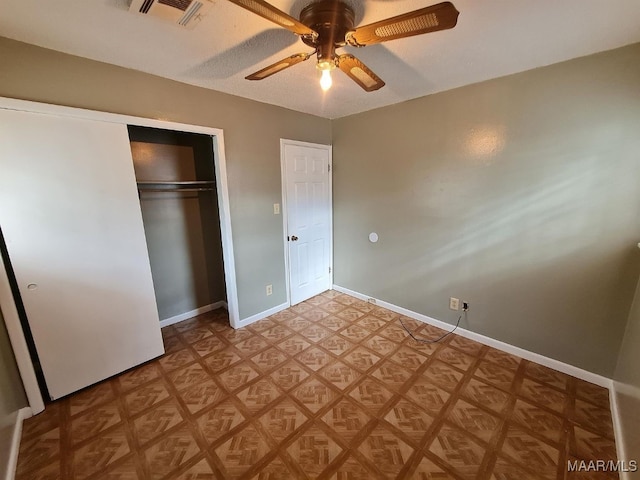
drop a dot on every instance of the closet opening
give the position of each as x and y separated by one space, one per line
175 174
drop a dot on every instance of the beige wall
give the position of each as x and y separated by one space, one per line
519 195
252 133
12 397
627 383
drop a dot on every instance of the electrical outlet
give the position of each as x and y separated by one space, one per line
276 209
454 303
465 306
269 289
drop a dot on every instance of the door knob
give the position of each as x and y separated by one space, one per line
294 238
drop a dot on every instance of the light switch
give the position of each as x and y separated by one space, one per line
276 209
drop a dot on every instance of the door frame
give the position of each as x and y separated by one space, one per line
284 210
10 314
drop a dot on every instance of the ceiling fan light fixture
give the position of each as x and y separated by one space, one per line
325 66
325 80
326 25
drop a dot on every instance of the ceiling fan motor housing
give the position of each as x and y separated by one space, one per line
331 19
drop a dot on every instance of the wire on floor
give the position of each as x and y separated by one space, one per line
426 340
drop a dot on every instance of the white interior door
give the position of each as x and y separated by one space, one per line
308 211
71 219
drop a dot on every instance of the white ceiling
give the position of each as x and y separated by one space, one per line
492 38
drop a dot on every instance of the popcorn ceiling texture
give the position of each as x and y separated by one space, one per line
491 39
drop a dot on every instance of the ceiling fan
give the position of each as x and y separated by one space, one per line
326 25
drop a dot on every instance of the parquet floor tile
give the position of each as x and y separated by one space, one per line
222 359
347 419
258 395
100 453
428 395
90 397
138 376
543 422
170 452
241 452
155 422
544 395
386 450
219 420
427 470
333 389
495 375
392 375
208 345
39 450
455 358
314 394
277 470
336 344
592 393
269 359
465 345
340 375
590 415
475 420
200 471
459 451
283 419
527 450
546 375
201 395
90 423
289 375
146 396
413 421
371 395
353 469
314 451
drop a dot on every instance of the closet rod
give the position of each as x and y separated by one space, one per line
188 182
176 190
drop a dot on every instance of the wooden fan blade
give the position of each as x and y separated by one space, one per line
359 72
430 19
279 66
268 11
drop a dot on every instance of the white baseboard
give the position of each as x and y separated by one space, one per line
617 427
198 311
622 449
21 416
259 316
505 347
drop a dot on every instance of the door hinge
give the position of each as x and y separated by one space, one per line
329 269
329 165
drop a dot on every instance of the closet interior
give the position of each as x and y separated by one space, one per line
176 181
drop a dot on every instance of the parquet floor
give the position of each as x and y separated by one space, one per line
332 388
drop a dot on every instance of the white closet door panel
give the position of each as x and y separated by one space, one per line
71 219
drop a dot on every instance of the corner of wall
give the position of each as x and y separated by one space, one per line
10 443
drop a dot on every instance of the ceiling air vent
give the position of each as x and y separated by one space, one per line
186 13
